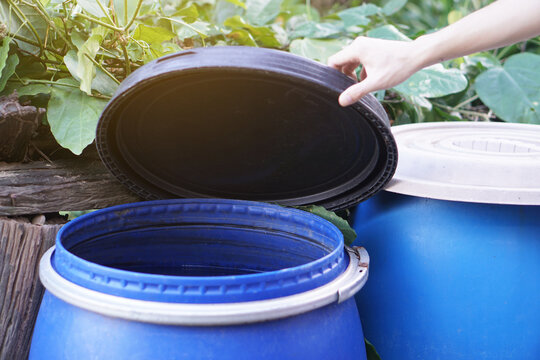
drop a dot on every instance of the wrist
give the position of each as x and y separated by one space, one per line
426 51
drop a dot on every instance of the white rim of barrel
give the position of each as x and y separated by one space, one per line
495 163
340 289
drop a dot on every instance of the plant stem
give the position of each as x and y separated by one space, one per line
126 57
125 11
47 18
137 9
102 68
485 116
99 22
25 21
105 12
31 42
469 100
30 81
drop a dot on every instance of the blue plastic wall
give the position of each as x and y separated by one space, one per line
450 280
65 332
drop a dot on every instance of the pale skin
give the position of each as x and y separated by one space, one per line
387 63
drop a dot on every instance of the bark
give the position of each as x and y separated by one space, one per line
64 185
21 247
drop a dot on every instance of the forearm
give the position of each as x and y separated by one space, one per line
499 24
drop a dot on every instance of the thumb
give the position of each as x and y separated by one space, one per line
355 92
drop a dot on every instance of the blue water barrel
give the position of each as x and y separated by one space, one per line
455 243
200 279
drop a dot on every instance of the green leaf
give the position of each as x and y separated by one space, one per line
24 23
485 60
262 35
242 37
359 15
86 70
154 36
4 51
260 12
101 82
237 3
434 81
290 9
371 353
33 89
124 9
93 8
313 29
393 6
73 115
197 28
8 70
318 50
348 232
513 90
387 32
454 16
188 14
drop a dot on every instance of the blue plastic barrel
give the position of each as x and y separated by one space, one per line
455 245
200 279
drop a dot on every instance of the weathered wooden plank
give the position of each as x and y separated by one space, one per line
63 185
21 247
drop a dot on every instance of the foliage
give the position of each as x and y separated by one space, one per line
349 235
76 52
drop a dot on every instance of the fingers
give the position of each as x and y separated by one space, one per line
343 58
356 92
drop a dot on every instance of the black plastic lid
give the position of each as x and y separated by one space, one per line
245 123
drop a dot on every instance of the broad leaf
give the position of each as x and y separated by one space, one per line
290 9
197 28
24 24
513 90
393 6
434 81
189 13
101 82
154 36
260 12
358 15
262 35
237 3
86 70
313 29
8 70
242 37
318 50
73 115
92 7
4 50
33 89
125 10
387 32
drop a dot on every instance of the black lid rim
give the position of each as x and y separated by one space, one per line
316 74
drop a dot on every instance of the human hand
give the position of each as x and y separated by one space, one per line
385 63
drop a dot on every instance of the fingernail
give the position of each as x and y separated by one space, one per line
345 100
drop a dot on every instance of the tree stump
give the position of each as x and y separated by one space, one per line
21 247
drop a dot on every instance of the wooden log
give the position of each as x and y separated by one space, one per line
64 185
21 247
17 125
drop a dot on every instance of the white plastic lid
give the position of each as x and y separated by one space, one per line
496 163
